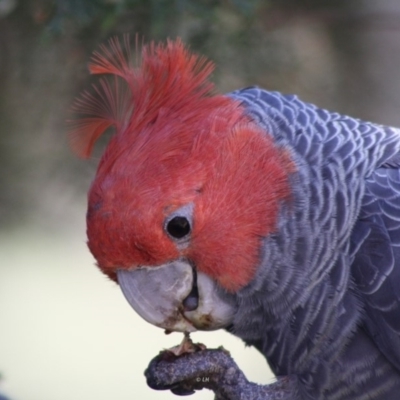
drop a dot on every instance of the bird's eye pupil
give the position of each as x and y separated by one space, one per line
178 227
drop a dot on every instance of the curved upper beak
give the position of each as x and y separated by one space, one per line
175 297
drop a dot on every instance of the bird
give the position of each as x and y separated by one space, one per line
251 211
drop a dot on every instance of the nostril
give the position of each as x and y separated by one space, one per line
191 302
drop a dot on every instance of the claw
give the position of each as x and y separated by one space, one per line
186 346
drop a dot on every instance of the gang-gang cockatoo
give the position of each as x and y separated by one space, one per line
253 212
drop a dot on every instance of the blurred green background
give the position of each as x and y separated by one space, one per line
66 332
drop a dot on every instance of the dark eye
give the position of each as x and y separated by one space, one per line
178 227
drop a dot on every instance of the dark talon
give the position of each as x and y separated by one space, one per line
182 391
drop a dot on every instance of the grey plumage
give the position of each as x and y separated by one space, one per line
325 304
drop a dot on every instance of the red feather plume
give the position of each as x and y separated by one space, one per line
167 77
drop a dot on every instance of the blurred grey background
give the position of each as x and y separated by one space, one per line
66 332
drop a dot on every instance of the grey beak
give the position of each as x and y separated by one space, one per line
170 297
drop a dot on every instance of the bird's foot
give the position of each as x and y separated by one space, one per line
190 367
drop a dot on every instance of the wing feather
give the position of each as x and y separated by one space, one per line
376 265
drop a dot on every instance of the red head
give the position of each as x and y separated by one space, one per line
177 148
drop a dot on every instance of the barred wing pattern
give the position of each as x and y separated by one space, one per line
376 265
331 271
